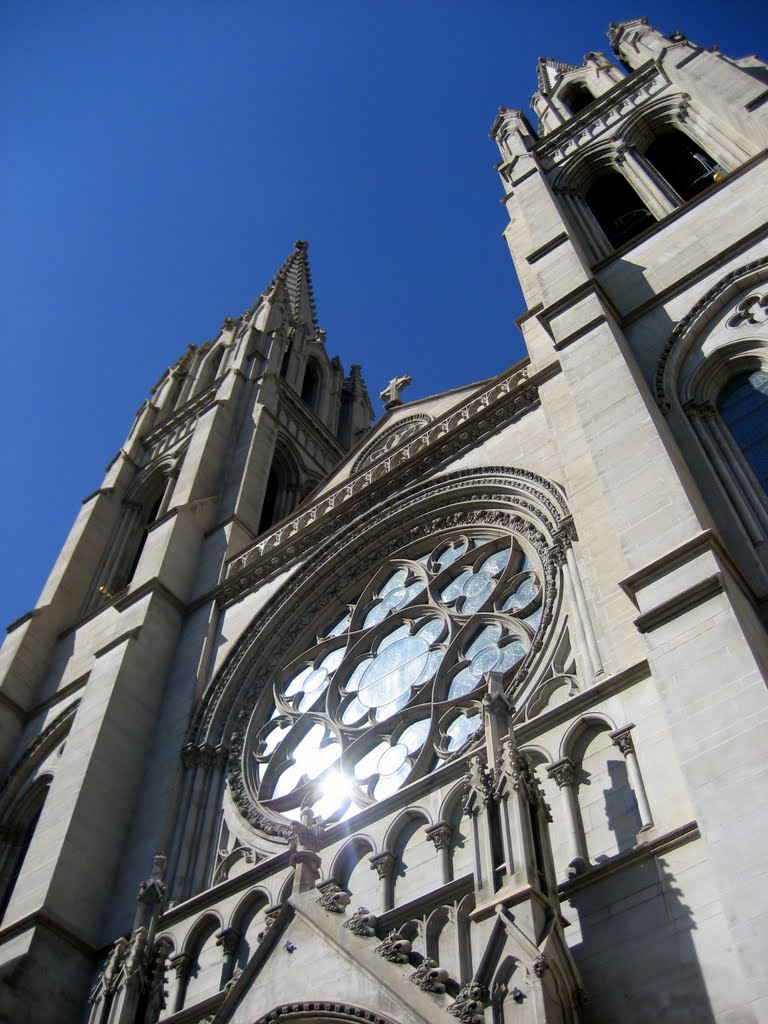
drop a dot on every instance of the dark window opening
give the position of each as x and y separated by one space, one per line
743 406
617 208
280 496
310 389
576 96
20 841
684 164
151 516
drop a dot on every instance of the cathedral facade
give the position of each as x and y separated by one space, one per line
461 716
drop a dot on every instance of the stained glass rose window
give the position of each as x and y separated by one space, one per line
391 686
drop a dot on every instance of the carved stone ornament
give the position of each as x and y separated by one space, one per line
563 772
751 311
229 940
690 320
394 948
622 739
479 782
182 965
270 916
539 965
111 971
314 1007
429 977
468 1004
383 863
441 835
362 922
332 897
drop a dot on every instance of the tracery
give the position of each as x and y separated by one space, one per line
391 686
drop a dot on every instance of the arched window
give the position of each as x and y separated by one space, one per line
617 208
282 491
576 96
310 389
682 162
17 838
743 406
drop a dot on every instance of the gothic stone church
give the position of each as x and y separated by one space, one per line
461 717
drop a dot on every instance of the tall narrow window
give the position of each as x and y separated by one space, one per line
684 164
150 517
281 494
19 839
576 97
617 208
310 389
743 406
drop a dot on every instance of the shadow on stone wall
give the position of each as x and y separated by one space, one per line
637 956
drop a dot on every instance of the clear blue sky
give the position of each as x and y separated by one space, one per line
160 159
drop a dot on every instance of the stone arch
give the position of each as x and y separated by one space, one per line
306 1013
282 491
248 921
18 831
204 966
442 940
594 718
351 869
717 300
313 384
414 856
460 859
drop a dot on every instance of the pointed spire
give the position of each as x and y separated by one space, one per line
295 276
548 71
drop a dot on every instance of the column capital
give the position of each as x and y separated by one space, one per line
383 863
563 772
440 834
622 739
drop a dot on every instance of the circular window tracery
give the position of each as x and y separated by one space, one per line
392 686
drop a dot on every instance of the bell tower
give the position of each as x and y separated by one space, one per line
643 265
233 436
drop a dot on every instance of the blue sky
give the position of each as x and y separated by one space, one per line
161 158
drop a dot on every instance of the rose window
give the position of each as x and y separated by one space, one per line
391 687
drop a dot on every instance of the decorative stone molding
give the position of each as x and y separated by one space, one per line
362 922
270 916
342 1010
458 430
691 319
753 311
429 977
394 948
479 782
581 131
387 440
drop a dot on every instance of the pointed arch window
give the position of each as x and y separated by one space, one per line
743 407
617 208
683 163
576 96
311 387
282 492
16 838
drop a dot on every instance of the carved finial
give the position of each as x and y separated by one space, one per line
390 396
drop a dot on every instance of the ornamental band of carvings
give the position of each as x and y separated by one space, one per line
580 131
219 699
341 1009
683 327
479 416
333 898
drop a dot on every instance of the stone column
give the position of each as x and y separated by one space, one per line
182 966
622 739
650 187
383 864
441 835
564 774
229 940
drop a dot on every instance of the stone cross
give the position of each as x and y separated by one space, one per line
390 396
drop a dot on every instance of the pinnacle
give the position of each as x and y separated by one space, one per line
295 276
544 68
